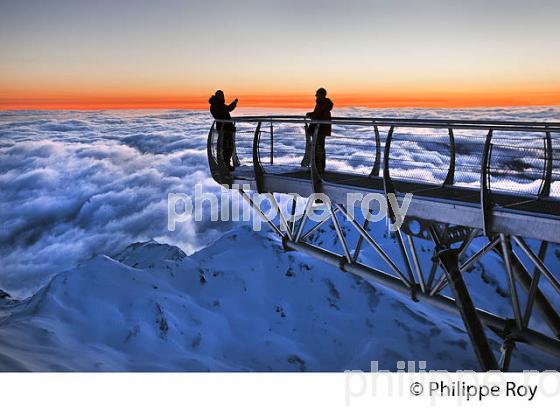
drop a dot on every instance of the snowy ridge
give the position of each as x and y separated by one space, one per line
241 304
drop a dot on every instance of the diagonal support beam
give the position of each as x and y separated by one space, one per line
531 294
416 263
405 257
303 220
340 234
317 226
506 251
283 222
545 308
360 241
538 263
374 245
433 270
465 245
479 254
450 262
292 220
261 213
468 263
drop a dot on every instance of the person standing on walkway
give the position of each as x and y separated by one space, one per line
322 112
221 111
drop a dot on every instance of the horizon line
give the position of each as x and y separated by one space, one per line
199 107
294 101
186 108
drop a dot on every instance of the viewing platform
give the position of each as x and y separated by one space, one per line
495 181
499 176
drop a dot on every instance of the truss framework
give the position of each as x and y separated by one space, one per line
421 288
452 230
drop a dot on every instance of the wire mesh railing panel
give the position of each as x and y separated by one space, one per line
520 162
350 149
517 162
282 147
214 144
421 155
469 147
244 135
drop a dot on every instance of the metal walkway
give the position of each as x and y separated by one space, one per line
499 180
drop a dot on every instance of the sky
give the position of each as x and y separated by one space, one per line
376 53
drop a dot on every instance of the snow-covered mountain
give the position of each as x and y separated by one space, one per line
77 187
240 304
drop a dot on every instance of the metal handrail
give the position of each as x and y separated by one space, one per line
395 119
547 130
524 126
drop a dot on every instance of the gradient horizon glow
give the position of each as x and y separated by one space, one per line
378 53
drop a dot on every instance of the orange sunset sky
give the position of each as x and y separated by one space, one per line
66 54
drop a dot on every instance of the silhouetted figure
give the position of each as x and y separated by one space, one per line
220 111
322 111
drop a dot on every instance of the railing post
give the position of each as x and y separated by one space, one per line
257 167
234 156
210 145
547 174
212 160
218 168
387 183
485 200
377 162
316 177
271 144
307 155
450 179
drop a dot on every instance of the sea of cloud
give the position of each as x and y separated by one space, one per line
75 184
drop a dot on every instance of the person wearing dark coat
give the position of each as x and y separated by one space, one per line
221 111
322 111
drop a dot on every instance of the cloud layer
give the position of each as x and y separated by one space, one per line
78 184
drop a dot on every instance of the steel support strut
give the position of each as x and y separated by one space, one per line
416 263
363 233
468 263
532 292
261 213
450 262
507 350
360 241
506 252
340 234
